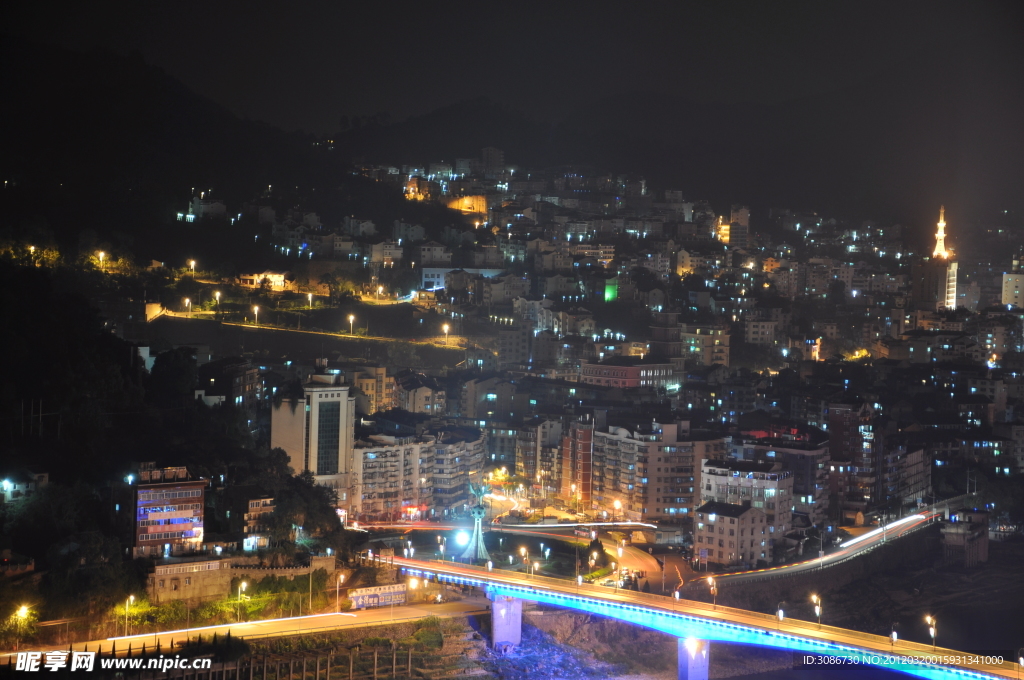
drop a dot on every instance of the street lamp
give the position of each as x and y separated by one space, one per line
817 607
256 310
192 266
309 296
932 625
536 565
714 590
618 507
676 596
127 604
351 319
21 615
188 306
101 256
892 635
445 329
217 295
337 592
241 589
779 614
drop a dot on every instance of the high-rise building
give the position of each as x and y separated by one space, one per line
1013 283
578 462
537 452
933 285
648 471
316 430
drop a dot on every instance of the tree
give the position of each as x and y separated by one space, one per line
172 381
329 279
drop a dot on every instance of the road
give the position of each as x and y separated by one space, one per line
315 623
850 548
635 557
702 619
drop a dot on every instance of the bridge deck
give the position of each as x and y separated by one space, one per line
795 634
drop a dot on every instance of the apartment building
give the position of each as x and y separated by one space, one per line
646 471
808 463
459 457
705 345
394 477
256 522
730 534
376 389
168 511
760 484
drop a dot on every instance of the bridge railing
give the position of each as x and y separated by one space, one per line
769 622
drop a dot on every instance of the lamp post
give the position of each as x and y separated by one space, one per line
337 592
893 636
192 266
127 604
256 310
21 615
188 306
817 608
241 589
618 508
101 255
309 296
779 614
445 329
217 296
933 623
351 319
714 591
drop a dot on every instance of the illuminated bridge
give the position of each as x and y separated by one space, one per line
698 624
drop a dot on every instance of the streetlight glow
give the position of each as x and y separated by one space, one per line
256 310
445 329
351 319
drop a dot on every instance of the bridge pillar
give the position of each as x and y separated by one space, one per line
506 621
693 658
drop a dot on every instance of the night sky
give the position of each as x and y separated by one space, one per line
303 65
915 102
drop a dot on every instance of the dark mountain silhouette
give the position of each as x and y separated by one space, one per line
102 142
894 146
98 141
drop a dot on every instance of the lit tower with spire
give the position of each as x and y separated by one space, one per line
940 236
934 279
